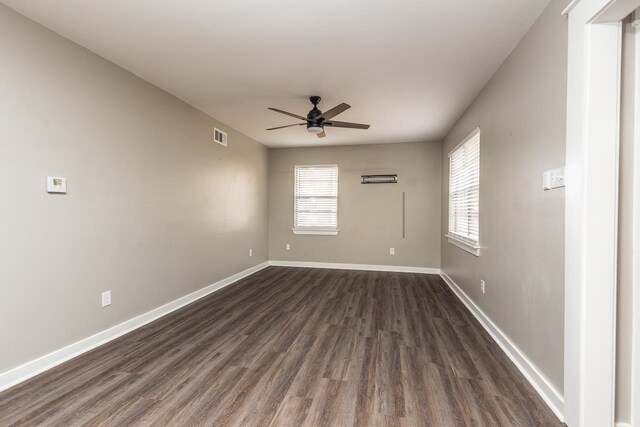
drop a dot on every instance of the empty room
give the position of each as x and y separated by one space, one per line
340 213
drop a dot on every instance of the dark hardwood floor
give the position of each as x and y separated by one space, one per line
292 347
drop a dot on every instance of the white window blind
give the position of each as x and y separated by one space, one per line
464 191
316 198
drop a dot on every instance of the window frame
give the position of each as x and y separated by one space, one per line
467 244
319 231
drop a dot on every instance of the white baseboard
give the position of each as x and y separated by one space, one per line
30 369
364 267
623 425
545 389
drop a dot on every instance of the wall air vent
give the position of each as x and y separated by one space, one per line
220 137
379 179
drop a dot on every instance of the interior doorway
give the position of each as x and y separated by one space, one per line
592 210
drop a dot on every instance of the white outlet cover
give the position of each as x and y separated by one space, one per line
482 286
392 251
56 184
287 247
250 252
106 298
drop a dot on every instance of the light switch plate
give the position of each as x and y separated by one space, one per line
553 178
56 184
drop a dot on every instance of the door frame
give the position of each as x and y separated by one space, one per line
635 362
591 210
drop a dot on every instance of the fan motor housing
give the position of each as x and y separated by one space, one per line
314 115
313 126
313 118
314 121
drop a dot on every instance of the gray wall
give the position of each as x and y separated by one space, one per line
155 209
369 216
625 231
522 114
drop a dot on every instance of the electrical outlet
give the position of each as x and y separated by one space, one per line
106 298
287 247
392 251
482 286
250 252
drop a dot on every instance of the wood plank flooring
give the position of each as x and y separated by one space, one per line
293 347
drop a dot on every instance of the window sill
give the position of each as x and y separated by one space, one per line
469 247
315 232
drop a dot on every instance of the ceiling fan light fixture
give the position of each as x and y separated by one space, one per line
316 120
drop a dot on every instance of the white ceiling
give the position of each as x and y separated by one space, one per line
409 68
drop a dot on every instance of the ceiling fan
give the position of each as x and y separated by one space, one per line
316 120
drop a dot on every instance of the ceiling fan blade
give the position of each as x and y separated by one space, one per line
335 124
287 126
321 134
329 114
288 114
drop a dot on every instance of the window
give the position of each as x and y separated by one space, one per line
464 194
316 200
